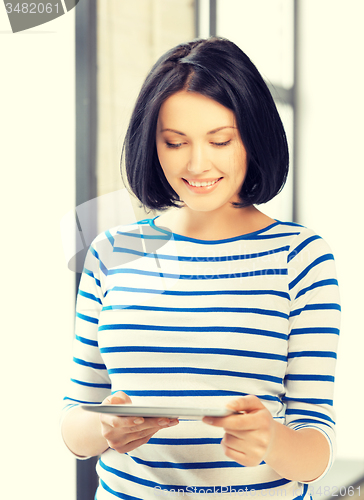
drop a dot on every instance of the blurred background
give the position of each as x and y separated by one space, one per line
67 92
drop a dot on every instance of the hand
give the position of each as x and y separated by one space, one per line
124 434
248 435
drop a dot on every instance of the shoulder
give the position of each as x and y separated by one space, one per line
111 234
297 238
310 260
305 244
125 238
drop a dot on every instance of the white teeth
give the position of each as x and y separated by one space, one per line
202 184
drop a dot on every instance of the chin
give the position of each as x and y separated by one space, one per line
203 206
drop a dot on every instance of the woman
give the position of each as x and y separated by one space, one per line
211 303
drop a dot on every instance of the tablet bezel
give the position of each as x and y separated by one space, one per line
124 410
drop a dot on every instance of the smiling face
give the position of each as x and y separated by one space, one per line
200 151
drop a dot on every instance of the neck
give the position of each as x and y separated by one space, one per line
218 224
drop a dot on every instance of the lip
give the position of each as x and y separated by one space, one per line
202 189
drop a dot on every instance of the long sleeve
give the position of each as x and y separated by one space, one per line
313 337
89 381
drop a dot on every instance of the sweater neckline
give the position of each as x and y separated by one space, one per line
177 236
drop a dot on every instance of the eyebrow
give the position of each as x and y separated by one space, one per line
208 133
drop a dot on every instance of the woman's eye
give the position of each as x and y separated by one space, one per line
173 145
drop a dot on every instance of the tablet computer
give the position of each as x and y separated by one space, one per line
190 413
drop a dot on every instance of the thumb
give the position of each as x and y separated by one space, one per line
118 398
247 404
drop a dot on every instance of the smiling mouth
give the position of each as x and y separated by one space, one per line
202 183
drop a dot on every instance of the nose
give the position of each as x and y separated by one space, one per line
198 161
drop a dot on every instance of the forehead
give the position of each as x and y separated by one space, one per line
186 109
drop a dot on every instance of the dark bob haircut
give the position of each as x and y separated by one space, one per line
218 69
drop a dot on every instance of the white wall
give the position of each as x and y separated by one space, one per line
331 162
37 293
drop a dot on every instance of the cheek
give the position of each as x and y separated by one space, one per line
171 161
162 160
166 165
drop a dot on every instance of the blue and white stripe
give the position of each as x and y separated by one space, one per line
172 320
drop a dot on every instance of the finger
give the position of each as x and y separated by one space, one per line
137 424
254 444
238 422
137 436
117 398
119 441
243 452
120 398
247 404
125 447
124 441
118 433
233 443
118 437
240 457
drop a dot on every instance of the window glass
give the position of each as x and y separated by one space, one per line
264 30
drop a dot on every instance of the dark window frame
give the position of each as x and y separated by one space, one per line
86 149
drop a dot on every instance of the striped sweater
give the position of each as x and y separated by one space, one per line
172 320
